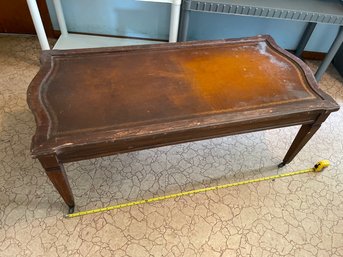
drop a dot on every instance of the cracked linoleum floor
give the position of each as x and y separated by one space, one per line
295 216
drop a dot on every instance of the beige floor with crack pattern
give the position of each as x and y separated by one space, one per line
295 216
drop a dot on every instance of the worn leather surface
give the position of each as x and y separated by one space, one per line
296 216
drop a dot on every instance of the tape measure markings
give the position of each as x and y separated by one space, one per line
318 167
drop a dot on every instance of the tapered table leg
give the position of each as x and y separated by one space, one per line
58 177
304 135
305 38
330 55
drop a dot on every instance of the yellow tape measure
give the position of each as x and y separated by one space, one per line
317 168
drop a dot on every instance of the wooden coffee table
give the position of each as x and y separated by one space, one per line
97 102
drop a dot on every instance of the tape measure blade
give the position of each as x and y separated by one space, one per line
118 206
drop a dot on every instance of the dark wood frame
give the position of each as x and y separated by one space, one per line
53 153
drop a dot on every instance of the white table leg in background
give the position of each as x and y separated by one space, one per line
174 20
60 17
174 17
37 21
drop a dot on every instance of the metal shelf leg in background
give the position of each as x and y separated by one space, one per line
330 55
305 38
60 17
37 22
174 20
185 12
174 17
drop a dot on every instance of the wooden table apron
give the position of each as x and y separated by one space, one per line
139 97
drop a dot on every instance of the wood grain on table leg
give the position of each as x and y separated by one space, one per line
304 135
58 177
